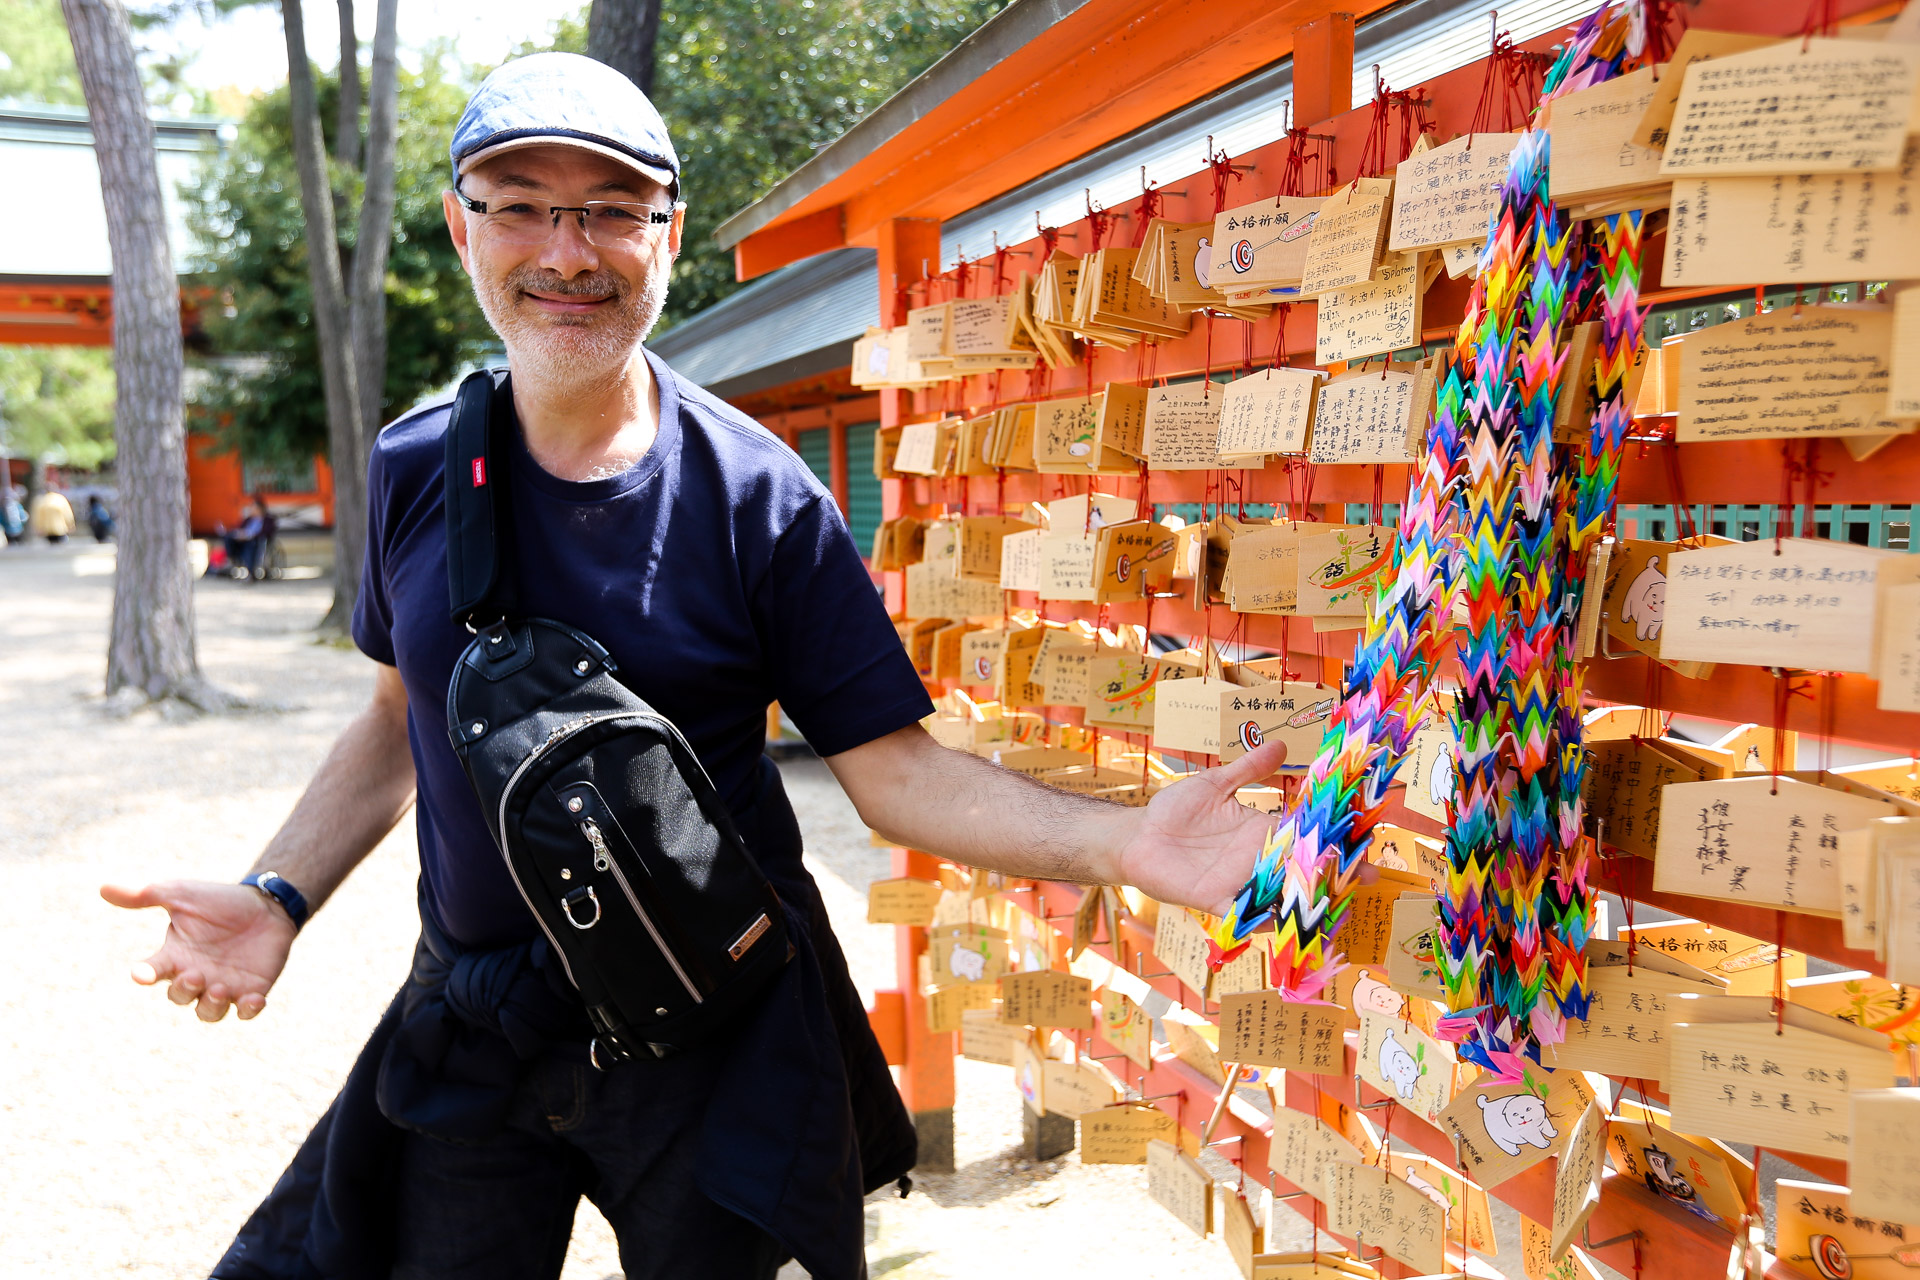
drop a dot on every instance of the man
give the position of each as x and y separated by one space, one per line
721 576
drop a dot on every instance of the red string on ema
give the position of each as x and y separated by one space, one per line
1307 170
1049 238
1098 223
1147 210
1223 172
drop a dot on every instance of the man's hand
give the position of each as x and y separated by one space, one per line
1196 845
226 943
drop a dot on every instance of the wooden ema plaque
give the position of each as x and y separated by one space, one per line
1178 1184
1501 1129
1741 1077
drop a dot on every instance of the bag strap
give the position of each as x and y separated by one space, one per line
480 578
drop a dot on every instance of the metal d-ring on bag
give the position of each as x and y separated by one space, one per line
608 823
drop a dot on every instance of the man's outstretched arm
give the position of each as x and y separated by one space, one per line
226 943
1194 845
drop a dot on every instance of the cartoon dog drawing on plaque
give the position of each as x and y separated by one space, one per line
1428 1190
1440 777
1369 993
1645 604
967 963
1398 1066
1516 1121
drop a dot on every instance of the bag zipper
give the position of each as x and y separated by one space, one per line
558 736
603 860
500 823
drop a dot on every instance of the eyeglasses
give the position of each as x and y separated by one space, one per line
610 224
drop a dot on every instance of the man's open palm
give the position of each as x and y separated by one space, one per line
1198 844
225 945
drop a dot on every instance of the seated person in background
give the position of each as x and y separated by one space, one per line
13 516
99 518
245 544
51 516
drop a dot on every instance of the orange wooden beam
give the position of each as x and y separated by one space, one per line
837 463
1322 69
53 334
926 1075
1096 75
790 241
888 1018
73 314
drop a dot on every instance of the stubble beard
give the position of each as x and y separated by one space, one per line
577 351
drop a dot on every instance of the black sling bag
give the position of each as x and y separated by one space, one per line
608 823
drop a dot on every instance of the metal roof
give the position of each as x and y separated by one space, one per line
797 321
48 151
1003 34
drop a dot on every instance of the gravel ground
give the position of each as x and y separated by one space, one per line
134 1139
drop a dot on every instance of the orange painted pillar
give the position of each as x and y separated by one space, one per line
1322 69
926 1077
909 249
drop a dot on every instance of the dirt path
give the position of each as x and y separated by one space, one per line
134 1139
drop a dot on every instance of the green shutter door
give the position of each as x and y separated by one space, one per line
863 487
815 452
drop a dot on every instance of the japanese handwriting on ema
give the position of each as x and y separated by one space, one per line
1714 849
1838 1215
1647 1006
1801 588
1760 1084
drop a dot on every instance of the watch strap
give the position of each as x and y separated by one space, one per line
289 898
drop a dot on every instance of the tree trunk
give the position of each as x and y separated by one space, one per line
330 325
368 298
151 644
346 127
621 33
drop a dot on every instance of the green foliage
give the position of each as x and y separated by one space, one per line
267 392
36 64
751 89
57 403
36 58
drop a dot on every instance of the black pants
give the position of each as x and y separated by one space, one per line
623 1138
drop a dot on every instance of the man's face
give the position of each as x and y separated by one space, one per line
563 304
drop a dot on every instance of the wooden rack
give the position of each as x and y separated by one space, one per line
1630 1222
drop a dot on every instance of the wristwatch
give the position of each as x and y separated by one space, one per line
290 899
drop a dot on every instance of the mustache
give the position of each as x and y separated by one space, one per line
598 284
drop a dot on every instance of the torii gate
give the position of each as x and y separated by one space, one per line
56 286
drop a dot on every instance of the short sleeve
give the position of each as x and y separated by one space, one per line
837 664
373 611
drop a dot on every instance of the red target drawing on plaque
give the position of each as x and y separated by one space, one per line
1241 256
1122 567
983 667
1831 1259
1250 735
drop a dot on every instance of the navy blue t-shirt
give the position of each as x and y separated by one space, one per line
717 571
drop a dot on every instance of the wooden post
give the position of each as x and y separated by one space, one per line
837 464
1322 69
926 1078
908 249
